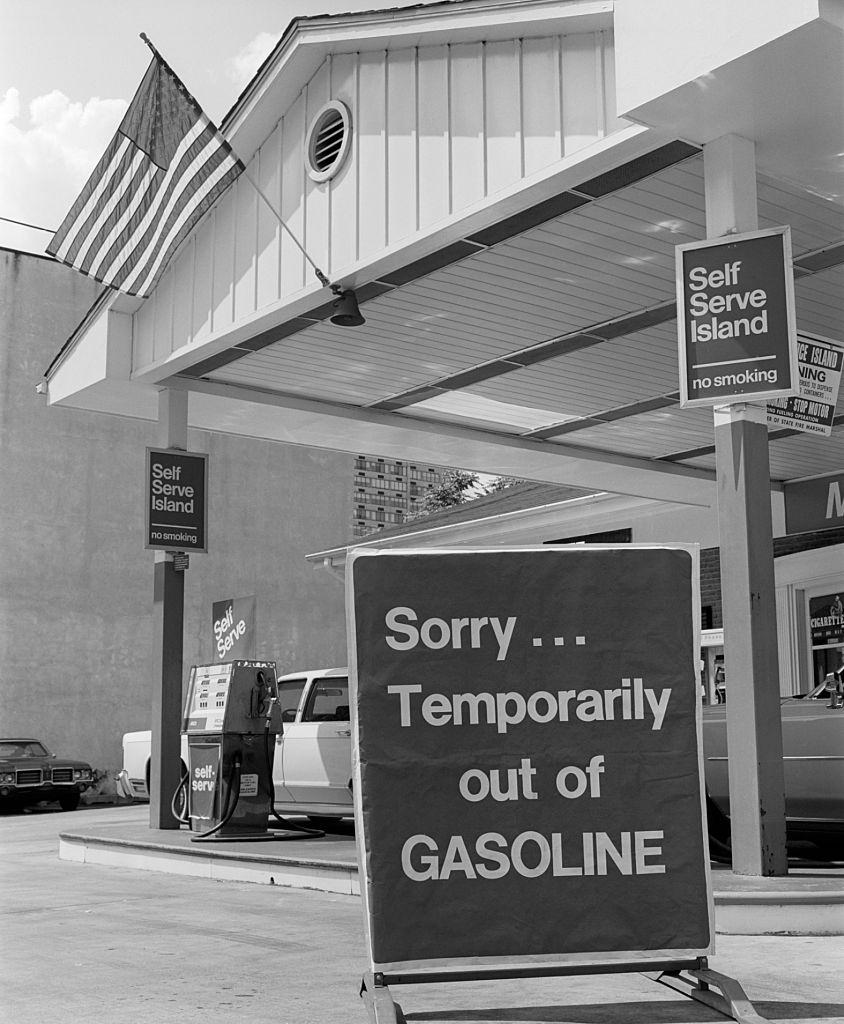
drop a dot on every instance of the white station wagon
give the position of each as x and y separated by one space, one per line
312 767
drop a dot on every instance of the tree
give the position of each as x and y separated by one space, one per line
456 488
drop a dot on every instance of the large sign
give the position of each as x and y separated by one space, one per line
527 762
819 364
826 620
735 319
234 629
176 512
815 504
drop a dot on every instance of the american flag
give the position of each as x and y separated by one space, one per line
165 167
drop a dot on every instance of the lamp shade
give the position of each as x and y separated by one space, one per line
346 312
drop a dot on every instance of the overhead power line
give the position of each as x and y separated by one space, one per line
23 224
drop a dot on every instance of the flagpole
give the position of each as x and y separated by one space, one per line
323 280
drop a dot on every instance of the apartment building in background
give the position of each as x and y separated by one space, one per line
387 492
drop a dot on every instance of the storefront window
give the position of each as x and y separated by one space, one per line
713 678
826 626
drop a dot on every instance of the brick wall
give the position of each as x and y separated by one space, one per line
710 566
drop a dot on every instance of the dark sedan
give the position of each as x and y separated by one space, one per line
813 763
29 773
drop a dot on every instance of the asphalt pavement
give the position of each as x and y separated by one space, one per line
91 944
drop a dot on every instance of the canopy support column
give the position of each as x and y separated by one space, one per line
748 594
168 640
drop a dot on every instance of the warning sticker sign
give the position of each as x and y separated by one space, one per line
819 363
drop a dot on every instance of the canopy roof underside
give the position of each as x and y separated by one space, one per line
563 333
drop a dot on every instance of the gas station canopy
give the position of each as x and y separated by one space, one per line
511 183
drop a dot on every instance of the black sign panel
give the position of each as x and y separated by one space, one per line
176 488
735 319
528 773
815 504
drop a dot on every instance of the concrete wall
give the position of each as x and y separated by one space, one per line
75 579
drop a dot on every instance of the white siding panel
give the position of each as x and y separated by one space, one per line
613 123
467 125
292 196
224 262
372 150
343 187
581 103
183 296
163 341
541 102
246 234
434 130
143 330
269 180
203 271
434 171
316 193
502 88
401 144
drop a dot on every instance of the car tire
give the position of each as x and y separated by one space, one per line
718 827
324 819
69 801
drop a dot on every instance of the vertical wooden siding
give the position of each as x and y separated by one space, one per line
434 130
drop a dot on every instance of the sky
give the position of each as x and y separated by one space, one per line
68 69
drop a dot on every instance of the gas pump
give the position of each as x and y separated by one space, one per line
231 720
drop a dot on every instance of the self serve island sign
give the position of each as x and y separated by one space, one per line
735 319
176 510
527 758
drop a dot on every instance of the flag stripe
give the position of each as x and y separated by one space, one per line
169 208
151 209
224 170
106 214
133 245
164 168
209 200
89 197
120 176
132 202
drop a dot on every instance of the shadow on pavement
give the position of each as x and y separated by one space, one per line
656 1012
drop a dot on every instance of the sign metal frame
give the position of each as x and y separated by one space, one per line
580 962
195 457
686 401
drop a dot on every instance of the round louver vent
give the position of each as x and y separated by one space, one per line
328 140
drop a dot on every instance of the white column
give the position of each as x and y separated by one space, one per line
748 593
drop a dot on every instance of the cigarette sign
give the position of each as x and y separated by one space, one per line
735 319
176 512
528 782
819 363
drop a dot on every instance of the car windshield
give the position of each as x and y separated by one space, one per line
22 748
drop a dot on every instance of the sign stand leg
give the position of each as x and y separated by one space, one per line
728 996
381 1008
693 979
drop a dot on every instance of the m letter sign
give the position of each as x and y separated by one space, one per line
735 319
176 512
528 783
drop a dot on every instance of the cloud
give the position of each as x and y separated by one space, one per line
48 152
246 62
